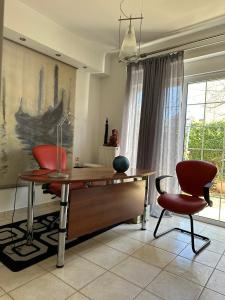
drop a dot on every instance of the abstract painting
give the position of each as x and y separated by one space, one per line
37 91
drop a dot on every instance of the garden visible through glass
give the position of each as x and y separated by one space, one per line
205 136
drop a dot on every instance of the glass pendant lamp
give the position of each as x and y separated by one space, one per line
128 48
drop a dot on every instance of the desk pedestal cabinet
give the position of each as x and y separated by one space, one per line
100 207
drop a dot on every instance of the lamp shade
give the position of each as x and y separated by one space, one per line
129 45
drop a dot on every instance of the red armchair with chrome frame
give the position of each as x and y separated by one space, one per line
46 156
195 179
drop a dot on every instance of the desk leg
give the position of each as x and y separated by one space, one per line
30 212
62 225
146 205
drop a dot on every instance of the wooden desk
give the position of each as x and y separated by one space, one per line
115 188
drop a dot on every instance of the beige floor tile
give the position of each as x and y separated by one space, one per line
49 263
180 236
107 236
190 270
172 287
211 295
4 220
217 282
217 246
45 287
5 297
169 244
144 236
153 255
104 256
221 264
214 246
10 280
78 272
125 244
127 227
184 223
215 234
77 296
110 287
214 229
144 295
205 257
136 271
86 246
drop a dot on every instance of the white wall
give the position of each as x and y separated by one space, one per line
93 117
48 37
87 112
112 97
205 65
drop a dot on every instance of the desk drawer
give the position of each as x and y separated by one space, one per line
98 207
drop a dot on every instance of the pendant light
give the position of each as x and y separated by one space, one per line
129 48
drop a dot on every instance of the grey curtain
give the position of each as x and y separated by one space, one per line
161 132
131 113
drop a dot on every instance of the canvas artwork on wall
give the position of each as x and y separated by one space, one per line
36 91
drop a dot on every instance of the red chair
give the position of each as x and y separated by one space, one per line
46 156
195 179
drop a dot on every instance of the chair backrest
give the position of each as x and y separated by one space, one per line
194 174
46 156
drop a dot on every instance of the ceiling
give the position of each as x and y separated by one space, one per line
97 19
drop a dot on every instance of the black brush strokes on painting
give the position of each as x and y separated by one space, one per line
40 90
56 84
41 129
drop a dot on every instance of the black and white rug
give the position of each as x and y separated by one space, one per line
17 255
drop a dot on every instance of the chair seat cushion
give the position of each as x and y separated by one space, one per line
55 187
182 204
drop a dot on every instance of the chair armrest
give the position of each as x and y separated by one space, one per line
206 188
157 183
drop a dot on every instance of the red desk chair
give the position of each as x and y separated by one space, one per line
195 179
46 156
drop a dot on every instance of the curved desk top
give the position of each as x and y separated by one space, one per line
84 174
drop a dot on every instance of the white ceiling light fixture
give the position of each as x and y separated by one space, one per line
129 48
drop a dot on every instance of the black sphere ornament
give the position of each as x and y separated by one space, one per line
121 164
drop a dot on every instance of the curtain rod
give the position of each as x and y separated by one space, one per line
174 48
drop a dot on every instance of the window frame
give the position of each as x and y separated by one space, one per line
195 79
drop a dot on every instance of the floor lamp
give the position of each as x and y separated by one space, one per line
59 136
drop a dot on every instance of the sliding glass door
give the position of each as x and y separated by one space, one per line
205 134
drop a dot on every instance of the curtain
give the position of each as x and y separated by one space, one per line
160 144
131 113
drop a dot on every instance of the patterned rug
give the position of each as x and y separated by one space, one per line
17 255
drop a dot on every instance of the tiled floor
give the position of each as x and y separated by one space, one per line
127 263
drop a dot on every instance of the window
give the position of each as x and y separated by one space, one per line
205 135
